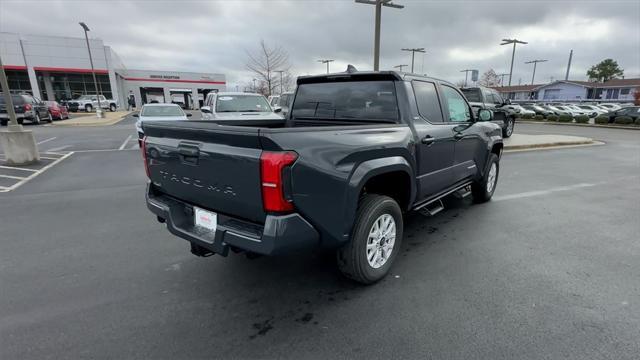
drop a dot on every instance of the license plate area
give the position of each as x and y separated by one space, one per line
205 220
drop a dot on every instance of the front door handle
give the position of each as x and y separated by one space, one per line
458 136
428 140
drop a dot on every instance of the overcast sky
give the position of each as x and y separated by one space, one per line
213 36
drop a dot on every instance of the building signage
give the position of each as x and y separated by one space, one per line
175 77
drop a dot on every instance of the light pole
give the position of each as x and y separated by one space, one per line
280 71
413 54
93 72
254 86
400 66
534 62
376 42
502 78
326 61
513 54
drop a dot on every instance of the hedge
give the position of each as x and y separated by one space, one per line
582 119
565 118
526 116
623 120
602 119
552 117
539 117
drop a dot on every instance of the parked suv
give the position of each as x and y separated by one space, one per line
26 107
485 98
238 106
89 103
357 150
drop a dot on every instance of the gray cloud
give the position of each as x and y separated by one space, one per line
214 36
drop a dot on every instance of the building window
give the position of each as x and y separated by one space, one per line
551 94
70 85
624 91
18 81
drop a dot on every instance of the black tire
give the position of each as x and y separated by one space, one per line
3 122
112 107
479 189
21 121
88 108
352 258
50 119
37 119
507 130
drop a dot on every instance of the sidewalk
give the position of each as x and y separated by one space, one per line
521 141
91 119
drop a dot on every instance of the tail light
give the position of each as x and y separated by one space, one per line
272 166
144 156
27 107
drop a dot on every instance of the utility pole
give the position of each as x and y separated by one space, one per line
400 67
280 71
566 77
534 62
376 42
466 75
326 61
254 86
413 54
19 145
502 78
513 54
93 72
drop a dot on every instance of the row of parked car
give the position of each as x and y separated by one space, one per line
32 109
609 110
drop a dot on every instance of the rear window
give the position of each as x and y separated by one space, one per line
17 99
351 100
472 95
162 111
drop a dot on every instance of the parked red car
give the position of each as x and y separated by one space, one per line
57 111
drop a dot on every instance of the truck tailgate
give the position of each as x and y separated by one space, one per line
206 165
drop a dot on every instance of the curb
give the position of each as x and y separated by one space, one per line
547 145
93 123
583 125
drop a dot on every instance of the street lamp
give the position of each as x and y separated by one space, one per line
502 79
513 54
534 62
326 61
376 42
93 72
400 66
280 71
254 86
413 54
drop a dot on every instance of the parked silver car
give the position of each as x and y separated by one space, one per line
238 106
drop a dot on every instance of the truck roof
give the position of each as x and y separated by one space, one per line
366 75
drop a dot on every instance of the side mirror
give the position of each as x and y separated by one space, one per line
277 109
206 109
136 115
189 114
485 115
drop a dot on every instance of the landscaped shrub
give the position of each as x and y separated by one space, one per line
582 119
526 116
565 118
552 117
539 117
602 119
623 120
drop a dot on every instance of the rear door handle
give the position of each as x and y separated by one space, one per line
428 140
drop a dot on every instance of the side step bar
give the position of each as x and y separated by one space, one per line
434 206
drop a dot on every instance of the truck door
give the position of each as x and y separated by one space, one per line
468 142
435 143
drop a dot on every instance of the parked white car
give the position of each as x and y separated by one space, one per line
610 107
238 106
158 112
593 110
519 109
574 110
558 109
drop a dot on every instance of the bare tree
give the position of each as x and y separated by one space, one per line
489 78
264 63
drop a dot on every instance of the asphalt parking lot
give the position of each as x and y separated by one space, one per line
548 269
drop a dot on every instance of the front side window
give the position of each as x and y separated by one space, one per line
347 101
427 101
242 103
456 105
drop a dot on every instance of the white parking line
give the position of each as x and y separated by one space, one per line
125 143
17 168
33 175
59 149
46 140
48 158
11 177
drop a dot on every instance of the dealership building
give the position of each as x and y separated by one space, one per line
58 68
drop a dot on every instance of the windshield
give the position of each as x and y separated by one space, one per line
242 103
472 95
162 111
361 100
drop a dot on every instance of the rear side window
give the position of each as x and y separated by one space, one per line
350 100
427 101
456 105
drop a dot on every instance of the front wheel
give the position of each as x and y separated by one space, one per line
507 131
375 240
483 189
88 108
112 107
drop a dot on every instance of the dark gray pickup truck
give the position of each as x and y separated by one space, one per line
356 151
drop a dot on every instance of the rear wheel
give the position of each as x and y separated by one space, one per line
507 131
375 240
483 189
88 108
36 119
112 107
50 119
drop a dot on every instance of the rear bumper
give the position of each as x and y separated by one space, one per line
279 234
